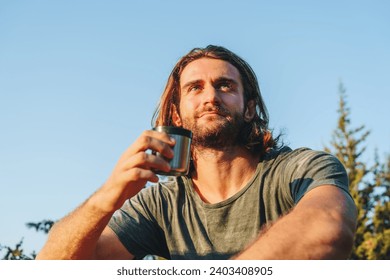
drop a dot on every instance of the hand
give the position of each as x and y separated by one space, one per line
135 167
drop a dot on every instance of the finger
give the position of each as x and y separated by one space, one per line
163 136
134 180
155 141
139 174
147 161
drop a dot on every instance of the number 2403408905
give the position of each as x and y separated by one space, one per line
243 270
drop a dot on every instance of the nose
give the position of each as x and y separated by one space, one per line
211 95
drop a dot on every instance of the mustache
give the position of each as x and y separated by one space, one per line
212 108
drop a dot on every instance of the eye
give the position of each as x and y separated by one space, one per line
225 87
194 88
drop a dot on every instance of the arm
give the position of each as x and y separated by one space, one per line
83 234
321 226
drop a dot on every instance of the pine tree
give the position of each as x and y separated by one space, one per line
367 186
376 243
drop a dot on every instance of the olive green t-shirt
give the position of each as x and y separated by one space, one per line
170 219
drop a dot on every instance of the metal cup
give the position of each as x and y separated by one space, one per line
180 162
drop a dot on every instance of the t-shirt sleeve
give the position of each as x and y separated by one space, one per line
136 227
308 169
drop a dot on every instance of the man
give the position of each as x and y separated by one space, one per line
244 198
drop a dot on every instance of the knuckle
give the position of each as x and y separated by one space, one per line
144 157
145 141
135 173
145 133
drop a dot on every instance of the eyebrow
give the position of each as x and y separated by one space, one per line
225 79
218 80
190 83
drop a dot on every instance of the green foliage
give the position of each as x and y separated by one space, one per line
44 225
16 252
369 186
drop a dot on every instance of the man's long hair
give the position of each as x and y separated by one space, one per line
255 135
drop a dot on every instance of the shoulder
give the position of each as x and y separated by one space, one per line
302 157
303 166
162 189
163 193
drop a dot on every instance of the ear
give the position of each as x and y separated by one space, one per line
176 120
250 111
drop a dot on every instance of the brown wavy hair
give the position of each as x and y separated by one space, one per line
255 135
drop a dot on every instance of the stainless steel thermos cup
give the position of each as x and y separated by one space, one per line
180 162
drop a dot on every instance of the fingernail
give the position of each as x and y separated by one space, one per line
173 140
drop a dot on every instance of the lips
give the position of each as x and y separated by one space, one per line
212 110
210 113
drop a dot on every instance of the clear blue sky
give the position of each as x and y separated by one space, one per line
79 81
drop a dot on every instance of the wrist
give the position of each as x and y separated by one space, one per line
102 203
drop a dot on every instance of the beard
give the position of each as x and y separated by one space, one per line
218 131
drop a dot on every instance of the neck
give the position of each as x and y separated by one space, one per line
219 174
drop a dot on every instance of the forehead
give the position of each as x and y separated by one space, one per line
209 68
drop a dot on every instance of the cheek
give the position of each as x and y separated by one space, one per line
188 106
236 103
